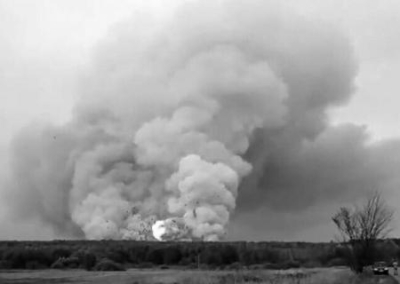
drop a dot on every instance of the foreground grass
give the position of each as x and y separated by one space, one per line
290 277
135 276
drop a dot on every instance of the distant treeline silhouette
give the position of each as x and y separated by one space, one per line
118 255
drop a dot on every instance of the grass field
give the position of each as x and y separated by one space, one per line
134 276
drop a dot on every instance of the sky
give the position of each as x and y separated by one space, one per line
34 33
46 47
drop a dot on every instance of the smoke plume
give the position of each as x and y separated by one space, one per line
218 110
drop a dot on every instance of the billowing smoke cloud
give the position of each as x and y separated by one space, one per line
221 109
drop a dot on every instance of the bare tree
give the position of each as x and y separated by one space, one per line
362 227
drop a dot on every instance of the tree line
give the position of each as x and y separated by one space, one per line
363 230
131 254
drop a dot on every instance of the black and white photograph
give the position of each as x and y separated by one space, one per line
199 141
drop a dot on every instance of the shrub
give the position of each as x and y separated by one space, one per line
255 267
291 264
234 266
156 256
229 254
19 257
72 262
186 262
89 260
172 255
58 264
311 264
272 266
5 264
108 265
33 264
144 265
193 266
337 262
68 262
60 252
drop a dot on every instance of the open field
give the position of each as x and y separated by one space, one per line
181 263
136 276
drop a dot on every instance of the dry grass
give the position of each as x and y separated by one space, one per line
172 276
267 277
333 276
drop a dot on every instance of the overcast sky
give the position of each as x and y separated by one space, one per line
37 83
45 46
